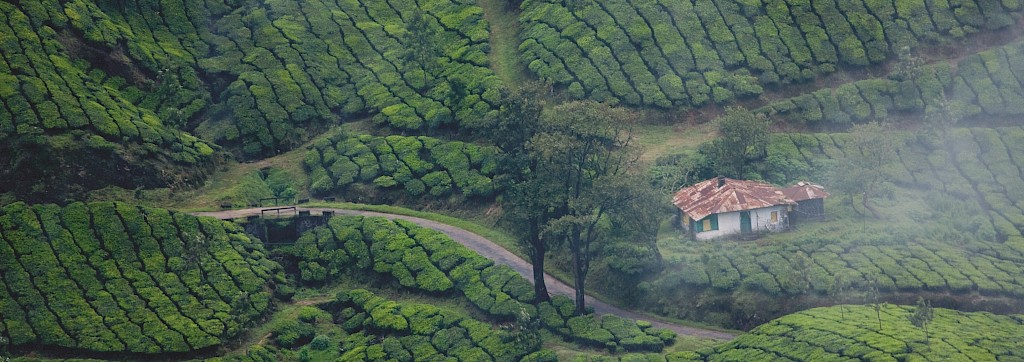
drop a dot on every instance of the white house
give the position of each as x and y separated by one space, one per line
723 206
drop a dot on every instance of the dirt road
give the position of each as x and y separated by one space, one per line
495 252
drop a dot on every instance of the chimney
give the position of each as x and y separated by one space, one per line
721 181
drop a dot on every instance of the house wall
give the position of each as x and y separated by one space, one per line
760 221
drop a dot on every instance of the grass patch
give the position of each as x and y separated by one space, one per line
664 139
504 41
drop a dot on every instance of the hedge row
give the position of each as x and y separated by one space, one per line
419 165
990 83
410 331
419 258
298 64
45 91
609 331
258 77
110 277
854 334
653 52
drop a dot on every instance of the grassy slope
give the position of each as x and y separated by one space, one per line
504 42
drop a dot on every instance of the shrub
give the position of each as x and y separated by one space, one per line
290 333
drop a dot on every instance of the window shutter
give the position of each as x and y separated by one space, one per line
698 226
714 222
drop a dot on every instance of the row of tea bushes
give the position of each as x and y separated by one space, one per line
111 277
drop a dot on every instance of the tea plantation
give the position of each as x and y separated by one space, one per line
953 226
692 53
417 165
429 261
110 277
860 333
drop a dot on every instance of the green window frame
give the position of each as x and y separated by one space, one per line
709 223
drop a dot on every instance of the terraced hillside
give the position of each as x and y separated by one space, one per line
985 87
105 87
418 165
859 333
952 229
427 260
695 53
110 277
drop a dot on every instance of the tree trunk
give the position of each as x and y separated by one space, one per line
577 276
537 258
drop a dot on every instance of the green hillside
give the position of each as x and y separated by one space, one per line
558 128
690 54
950 229
860 333
110 277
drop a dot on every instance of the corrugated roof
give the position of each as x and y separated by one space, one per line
804 190
709 197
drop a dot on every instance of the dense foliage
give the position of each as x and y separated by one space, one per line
110 277
98 88
691 53
58 110
858 333
986 84
420 332
419 258
953 226
427 260
420 166
609 331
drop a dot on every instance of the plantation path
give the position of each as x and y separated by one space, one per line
495 252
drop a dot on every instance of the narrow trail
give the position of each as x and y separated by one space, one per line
495 252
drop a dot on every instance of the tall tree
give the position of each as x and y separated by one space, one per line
420 45
743 140
922 316
588 147
527 200
862 169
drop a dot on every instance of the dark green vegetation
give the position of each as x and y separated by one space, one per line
367 165
685 54
418 258
859 333
101 88
429 261
109 277
984 86
950 228
361 326
66 125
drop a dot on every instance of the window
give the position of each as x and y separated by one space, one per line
709 223
775 217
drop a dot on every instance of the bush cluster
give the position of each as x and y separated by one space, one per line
417 257
418 165
609 331
858 332
411 331
256 78
293 64
110 277
50 93
983 84
668 54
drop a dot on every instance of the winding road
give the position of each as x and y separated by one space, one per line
497 253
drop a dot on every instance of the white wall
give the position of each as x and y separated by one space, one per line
760 220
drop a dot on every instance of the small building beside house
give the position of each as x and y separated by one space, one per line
722 206
810 199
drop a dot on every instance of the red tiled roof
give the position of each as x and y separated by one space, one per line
805 191
707 197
